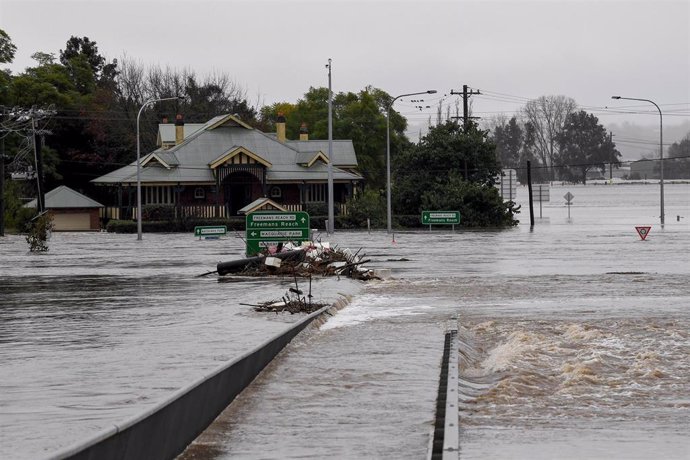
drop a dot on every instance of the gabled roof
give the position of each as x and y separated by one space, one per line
227 120
65 197
262 204
238 151
309 158
166 159
343 150
225 136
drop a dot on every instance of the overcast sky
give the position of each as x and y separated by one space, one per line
510 51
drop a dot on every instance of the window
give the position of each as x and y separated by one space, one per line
315 193
199 193
157 195
276 192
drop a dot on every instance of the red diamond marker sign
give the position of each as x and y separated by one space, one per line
643 232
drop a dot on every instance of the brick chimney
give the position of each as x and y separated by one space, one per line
179 129
303 132
280 127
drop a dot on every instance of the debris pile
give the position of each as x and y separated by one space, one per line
309 259
294 301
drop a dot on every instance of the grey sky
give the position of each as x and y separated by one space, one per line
512 51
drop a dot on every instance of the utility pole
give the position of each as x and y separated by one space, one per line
611 162
40 195
465 104
465 113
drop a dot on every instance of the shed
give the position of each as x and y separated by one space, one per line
71 211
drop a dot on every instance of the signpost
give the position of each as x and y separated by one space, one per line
210 231
506 183
266 229
643 231
568 200
542 192
440 218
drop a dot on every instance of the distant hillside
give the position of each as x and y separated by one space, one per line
636 141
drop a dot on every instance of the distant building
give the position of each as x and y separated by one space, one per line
217 168
71 211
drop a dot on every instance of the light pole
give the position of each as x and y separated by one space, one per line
388 151
150 101
331 217
661 149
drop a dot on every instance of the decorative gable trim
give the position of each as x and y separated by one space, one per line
318 156
262 204
238 156
153 156
229 120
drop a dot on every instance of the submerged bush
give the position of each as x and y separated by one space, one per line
39 233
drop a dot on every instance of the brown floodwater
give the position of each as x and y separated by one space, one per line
573 339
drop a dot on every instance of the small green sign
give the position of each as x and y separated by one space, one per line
210 231
268 228
440 217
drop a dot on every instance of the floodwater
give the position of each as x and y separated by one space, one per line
573 337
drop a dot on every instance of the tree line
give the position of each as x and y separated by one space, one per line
95 102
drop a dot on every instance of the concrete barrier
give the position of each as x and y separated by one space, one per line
165 430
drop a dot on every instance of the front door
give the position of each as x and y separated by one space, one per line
237 191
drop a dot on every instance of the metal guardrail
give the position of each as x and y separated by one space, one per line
164 431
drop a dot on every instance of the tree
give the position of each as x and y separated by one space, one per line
547 115
677 166
585 145
452 168
360 117
81 53
7 48
509 139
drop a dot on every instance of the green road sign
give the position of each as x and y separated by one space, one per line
440 217
267 228
207 231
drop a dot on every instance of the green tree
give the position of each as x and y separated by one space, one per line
479 205
82 53
7 48
452 166
509 140
584 146
360 117
368 204
678 164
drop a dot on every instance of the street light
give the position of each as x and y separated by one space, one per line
661 149
388 151
150 101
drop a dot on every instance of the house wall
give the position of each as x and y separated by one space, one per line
188 195
71 217
290 194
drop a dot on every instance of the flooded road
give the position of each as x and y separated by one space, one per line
574 338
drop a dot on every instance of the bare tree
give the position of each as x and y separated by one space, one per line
547 116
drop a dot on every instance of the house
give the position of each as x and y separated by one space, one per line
71 211
218 168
